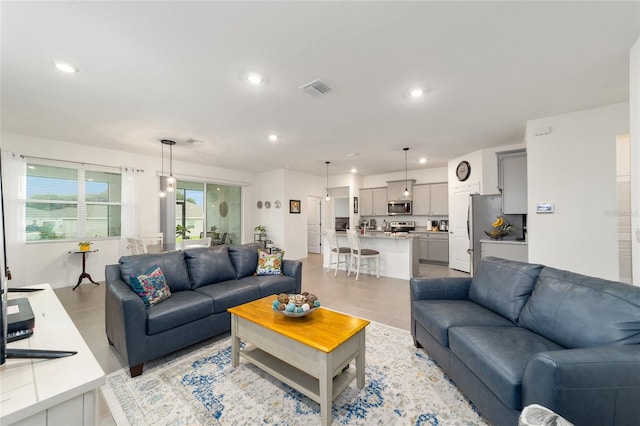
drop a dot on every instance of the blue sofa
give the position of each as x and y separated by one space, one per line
518 334
204 283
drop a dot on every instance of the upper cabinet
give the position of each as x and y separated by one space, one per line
431 199
373 202
512 181
395 189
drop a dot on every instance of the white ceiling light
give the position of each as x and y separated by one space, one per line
423 160
61 66
273 137
255 78
354 170
416 93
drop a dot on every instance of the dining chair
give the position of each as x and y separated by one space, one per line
136 245
337 251
202 242
359 254
155 238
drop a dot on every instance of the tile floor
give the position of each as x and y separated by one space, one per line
384 300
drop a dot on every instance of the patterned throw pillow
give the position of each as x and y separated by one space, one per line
151 286
269 264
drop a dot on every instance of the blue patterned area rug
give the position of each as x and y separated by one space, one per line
199 386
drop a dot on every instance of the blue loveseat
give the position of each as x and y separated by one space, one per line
204 283
518 334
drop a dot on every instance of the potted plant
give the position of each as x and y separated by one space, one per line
182 231
261 231
85 245
215 235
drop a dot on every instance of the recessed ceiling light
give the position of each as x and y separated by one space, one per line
61 66
416 93
255 78
273 137
351 154
354 170
423 160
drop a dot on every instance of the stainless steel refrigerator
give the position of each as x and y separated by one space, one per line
483 211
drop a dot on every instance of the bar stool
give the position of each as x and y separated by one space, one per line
336 250
359 254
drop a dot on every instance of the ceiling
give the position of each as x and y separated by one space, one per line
176 70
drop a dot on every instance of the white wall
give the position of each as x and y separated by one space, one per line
299 186
574 168
49 262
634 126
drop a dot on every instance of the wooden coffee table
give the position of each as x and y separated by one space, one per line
307 353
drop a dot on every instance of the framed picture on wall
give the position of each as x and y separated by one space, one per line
355 204
294 206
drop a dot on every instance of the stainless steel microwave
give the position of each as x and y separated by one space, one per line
398 208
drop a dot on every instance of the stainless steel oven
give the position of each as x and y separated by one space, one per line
398 208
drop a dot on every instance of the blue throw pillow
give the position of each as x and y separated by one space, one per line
151 286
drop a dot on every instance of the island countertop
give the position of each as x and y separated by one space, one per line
399 255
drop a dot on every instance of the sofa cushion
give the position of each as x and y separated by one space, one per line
182 308
172 264
244 258
209 265
230 293
438 316
577 311
269 263
504 286
151 286
272 284
498 356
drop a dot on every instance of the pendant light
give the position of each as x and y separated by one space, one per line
406 181
169 183
327 197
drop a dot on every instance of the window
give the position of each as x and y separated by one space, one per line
67 203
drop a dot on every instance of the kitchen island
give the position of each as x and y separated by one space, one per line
399 255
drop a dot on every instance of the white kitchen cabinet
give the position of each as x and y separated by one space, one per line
395 189
380 201
512 181
373 202
431 199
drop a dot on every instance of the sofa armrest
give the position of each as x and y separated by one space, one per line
439 288
125 318
293 268
599 385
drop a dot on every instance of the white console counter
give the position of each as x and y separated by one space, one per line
59 391
399 256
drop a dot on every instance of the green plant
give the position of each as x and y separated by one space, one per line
260 228
182 231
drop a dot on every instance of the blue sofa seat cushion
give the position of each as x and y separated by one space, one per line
272 284
209 265
230 293
244 258
498 356
181 308
172 264
504 286
438 316
578 311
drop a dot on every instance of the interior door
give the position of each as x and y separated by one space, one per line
458 228
314 224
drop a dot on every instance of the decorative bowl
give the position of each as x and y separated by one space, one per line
295 305
295 314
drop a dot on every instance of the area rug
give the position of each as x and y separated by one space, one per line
199 386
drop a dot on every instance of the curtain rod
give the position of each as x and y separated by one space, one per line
82 163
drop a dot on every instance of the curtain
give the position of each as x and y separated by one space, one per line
129 222
14 188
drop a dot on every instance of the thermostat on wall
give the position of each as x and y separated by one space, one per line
544 208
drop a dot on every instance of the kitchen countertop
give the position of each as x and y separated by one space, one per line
486 240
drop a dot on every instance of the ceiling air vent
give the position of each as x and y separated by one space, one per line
317 88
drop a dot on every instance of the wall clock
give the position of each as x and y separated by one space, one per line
463 171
